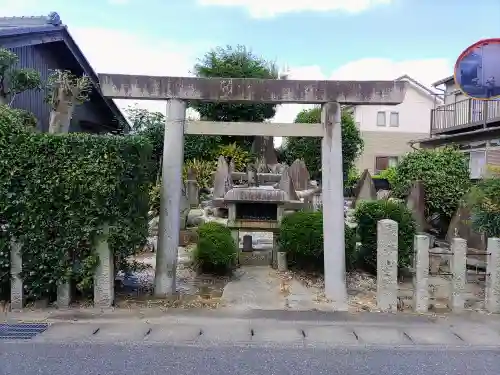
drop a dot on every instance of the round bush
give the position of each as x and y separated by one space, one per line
444 174
216 251
301 236
367 215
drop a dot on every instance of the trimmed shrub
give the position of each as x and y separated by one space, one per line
485 202
216 251
444 174
367 215
56 193
301 236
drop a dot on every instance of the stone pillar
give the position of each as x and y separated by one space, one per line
64 295
459 271
276 249
282 262
333 206
493 276
421 278
193 193
16 282
104 277
247 243
171 190
387 265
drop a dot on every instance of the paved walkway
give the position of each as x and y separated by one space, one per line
261 288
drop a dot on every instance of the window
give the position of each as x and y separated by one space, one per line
380 118
384 162
358 125
394 119
477 162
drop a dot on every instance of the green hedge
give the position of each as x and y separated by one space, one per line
216 251
56 191
367 215
301 236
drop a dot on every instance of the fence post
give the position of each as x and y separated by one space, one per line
459 271
492 294
16 283
387 265
421 266
104 277
64 294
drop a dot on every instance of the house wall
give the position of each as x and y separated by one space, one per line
380 141
414 114
43 58
453 93
384 144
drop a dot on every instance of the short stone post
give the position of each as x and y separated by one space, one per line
276 249
64 295
193 190
247 243
282 263
421 278
16 282
104 277
493 276
459 271
387 265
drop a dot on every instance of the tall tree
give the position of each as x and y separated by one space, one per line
309 148
64 92
235 62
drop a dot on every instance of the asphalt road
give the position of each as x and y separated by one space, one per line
109 359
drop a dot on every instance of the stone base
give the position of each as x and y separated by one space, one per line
187 237
256 258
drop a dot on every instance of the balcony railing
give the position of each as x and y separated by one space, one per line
463 114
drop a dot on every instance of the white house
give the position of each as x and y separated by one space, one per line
387 130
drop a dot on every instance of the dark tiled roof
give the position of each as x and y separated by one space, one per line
52 27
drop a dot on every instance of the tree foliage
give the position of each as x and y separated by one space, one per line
56 194
444 173
13 80
309 148
234 62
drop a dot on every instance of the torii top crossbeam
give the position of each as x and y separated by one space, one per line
121 86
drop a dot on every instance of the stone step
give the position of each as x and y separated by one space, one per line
256 258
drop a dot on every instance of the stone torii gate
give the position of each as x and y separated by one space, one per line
330 94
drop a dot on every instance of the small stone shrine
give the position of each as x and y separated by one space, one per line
255 208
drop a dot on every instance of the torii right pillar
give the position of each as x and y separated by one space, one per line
333 206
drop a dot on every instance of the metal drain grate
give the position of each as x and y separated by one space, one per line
21 331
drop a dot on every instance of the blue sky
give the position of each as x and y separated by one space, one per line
318 39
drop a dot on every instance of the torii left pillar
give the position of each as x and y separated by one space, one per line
333 206
170 198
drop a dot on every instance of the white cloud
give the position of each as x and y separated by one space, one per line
266 8
110 51
425 71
